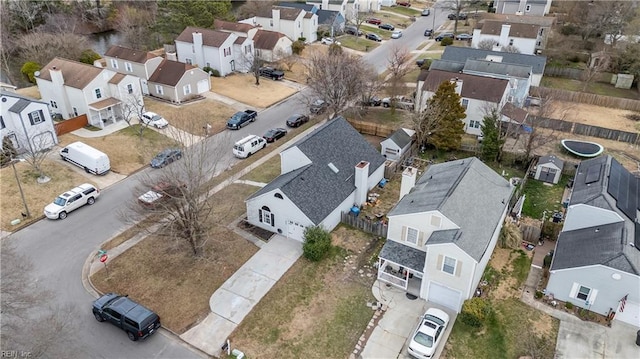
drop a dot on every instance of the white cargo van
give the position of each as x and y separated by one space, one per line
86 157
248 146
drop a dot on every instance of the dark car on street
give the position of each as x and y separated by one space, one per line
318 106
166 157
274 134
374 21
374 37
428 32
461 16
421 62
443 35
271 73
352 30
297 120
137 321
386 27
372 101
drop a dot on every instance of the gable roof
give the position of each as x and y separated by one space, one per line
315 188
545 21
447 65
456 53
20 105
75 74
298 5
232 26
400 137
125 53
514 113
551 159
497 68
286 13
117 78
474 87
266 40
213 38
169 72
527 31
18 96
328 16
449 188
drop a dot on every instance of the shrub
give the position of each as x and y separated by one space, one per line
297 47
317 243
335 49
568 305
446 41
302 39
89 56
475 311
29 68
212 72
8 152
426 64
568 29
538 294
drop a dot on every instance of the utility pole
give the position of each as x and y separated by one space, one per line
24 201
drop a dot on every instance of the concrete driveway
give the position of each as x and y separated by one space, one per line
584 340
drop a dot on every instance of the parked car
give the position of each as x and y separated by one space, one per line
71 200
464 37
248 146
386 27
403 3
297 120
374 21
428 334
161 193
428 32
461 16
421 62
153 119
401 102
425 12
445 34
329 41
241 119
86 157
271 73
374 37
274 134
136 320
318 106
372 101
352 30
166 157
396 34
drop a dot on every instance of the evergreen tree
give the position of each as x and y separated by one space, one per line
447 113
174 16
491 141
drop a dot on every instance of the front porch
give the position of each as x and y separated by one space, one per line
105 112
401 266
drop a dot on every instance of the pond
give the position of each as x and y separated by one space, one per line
102 41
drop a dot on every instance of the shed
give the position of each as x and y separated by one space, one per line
549 169
396 145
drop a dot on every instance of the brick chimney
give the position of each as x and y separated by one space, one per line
361 180
408 180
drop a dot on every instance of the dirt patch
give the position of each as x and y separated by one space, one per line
32 92
502 261
193 117
593 115
243 88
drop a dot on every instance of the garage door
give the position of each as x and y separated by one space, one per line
203 86
295 231
631 314
442 295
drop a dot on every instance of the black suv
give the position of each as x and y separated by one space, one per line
138 321
271 73
461 16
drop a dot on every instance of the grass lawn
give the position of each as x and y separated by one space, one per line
412 76
396 20
385 34
266 172
178 286
358 43
243 88
381 115
542 197
194 116
598 88
316 310
408 11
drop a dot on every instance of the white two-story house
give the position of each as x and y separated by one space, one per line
268 45
133 62
223 51
26 122
72 89
523 7
293 22
526 38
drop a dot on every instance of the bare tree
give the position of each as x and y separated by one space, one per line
183 204
253 7
536 136
288 60
336 78
486 44
135 24
602 17
43 47
254 63
133 108
39 145
398 67
510 48
374 84
457 7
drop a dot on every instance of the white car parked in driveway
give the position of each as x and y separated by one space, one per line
71 200
329 41
428 334
153 119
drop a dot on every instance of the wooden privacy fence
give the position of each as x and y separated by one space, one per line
374 226
372 129
71 124
393 167
588 98
586 130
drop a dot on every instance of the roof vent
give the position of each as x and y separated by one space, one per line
333 167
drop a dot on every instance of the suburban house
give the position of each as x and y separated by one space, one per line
396 145
72 89
526 38
327 18
478 94
437 244
596 262
295 23
348 9
178 82
549 169
324 174
132 62
461 54
26 122
523 7
223 51
272 46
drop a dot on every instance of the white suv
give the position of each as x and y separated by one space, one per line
70 200
153 119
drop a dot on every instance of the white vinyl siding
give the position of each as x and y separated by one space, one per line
159 90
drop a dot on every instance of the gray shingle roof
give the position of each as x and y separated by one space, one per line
594 193
447 65
406 256
551 159
20 105
491 67
606 245
400 138
17 95
473 86
303 6
316 189
456 53
327 16
450 188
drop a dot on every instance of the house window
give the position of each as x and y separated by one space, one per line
265 216
75 112
474 124
193 49
528 8
412 235
187 89
159 90
36 117
583 293
130 88
247 49
510 42
114 63
54 104
449 265
271 23
127 65
298 24
98 93
465 103
188 60
2 123
278 195
227 52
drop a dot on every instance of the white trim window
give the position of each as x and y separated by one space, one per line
114 63
583 293
474 124
159 90
36 117
54 104
465 103
412 235
127 65
130 88
449 265
265 216
98 93
187 89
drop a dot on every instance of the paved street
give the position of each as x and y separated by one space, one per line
59 249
